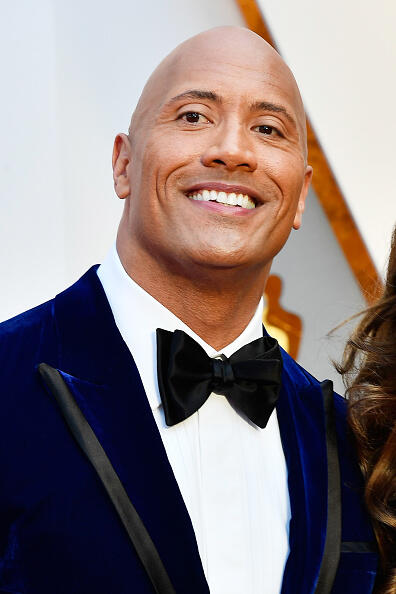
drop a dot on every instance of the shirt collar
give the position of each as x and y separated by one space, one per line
137 315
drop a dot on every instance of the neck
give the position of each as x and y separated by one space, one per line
216 304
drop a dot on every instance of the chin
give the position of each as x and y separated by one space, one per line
221 257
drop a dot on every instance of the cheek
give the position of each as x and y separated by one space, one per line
287 173
165 154
285 167
152 173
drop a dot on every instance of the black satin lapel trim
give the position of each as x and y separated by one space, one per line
332 548
88 442
358 547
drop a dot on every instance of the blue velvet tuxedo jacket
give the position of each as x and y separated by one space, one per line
59 532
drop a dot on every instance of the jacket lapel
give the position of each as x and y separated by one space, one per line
302 427
100 373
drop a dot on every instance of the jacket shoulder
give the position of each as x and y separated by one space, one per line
302 379
25 321
21 337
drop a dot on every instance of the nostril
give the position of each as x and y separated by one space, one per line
220 162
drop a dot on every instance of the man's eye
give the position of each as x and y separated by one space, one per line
266 130
193 117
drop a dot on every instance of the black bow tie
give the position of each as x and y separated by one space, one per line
250 378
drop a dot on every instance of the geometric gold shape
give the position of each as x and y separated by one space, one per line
283 325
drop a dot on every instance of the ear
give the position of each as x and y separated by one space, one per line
301 201
121 160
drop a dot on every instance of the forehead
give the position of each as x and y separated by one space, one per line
238 76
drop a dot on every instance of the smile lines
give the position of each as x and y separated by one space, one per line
228 198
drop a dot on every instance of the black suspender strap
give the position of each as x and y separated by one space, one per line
332 548
87 440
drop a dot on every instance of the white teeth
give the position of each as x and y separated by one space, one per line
232 199
245 202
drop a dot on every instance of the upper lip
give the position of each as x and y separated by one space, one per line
224 187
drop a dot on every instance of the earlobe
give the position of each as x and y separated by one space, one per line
303 195
121 159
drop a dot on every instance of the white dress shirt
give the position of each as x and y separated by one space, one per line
232 475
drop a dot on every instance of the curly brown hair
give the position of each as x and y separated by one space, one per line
369 372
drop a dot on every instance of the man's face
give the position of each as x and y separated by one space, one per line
226 127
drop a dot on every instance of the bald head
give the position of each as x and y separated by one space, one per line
235 50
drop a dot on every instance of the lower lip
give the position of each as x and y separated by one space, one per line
237 211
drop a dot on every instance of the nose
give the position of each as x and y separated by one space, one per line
231 148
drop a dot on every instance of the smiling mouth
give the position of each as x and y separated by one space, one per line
226 198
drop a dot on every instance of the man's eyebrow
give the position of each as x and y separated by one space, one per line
196 94
266 106
211 96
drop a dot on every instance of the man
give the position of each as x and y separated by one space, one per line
171 471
